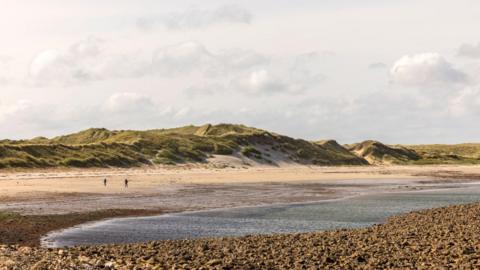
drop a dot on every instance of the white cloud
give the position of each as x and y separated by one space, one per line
183 112
90 60
469 50
293 77
465 102
52 66
396 116
182 58
248 72
238 59
6 75
9 110
236 69
136 111
128 102
205 90
89 47
125 110
264 80
27 118
260 81
193 57
425 69
195 18
84 61
377 65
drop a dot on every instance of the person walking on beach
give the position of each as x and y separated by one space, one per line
105 181
126 183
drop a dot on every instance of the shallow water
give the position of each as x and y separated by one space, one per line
346 213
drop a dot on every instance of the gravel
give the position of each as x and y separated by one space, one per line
446 237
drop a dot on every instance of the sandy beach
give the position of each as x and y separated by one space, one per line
197 187
48 200
37 202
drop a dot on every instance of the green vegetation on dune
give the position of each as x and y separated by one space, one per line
127 148
53 155
250 151
93 135
466 153
333 148
378 153
196 144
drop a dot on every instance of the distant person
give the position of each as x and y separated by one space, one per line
126 183
105 182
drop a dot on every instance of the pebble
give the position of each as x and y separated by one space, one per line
444 238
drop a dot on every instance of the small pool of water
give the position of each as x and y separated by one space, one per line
346 213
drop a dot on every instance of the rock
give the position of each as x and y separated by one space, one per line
445 238
40 265
361 259
82 258
7 263
214 262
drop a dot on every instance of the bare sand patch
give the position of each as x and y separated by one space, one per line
205 186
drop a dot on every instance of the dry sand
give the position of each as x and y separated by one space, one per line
200 187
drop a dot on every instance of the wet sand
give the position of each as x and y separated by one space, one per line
345 213
195 187
27 230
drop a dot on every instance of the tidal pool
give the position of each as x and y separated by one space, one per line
345 213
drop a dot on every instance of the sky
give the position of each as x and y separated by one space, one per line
396 71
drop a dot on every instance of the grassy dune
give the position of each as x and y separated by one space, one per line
105 148
195 144
377 153
466 153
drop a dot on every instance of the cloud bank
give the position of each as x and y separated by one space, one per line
196 18
298 69
469 51
85 61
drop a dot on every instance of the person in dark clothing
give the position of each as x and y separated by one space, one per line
126 183
105 182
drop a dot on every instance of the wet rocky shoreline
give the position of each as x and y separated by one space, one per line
446 237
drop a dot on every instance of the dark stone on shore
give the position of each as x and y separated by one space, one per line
431 239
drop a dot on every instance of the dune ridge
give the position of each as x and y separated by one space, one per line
239 145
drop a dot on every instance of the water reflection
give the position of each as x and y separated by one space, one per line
347 213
